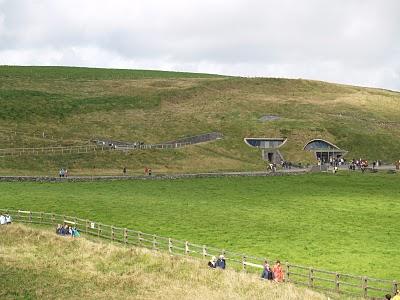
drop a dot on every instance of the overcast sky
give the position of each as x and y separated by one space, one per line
346 41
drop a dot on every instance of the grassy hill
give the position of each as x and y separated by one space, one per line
37 264
74 105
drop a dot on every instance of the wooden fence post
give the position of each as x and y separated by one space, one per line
287 272
53 221
337 283
154 242
365 286
86 226
41 217
310 277
244 263
187 248
394 287
170 245
139 235
30 216
125 236
98 229
204 251
112 233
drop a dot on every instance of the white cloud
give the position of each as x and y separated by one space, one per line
353 41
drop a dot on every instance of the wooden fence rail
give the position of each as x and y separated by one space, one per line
363 286
51 150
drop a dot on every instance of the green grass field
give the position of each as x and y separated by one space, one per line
346 223
74 105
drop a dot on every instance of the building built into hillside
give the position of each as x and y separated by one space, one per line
324 150
269 148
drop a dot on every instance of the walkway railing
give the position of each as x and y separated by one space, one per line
307 276
50 150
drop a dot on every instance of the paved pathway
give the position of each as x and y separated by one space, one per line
285 172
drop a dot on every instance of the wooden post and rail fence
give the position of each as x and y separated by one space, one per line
348 284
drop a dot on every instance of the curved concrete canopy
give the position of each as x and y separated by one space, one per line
265 143
320 144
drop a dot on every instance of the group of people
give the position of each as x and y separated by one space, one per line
63 173
286 164
361 164
5 219
67 230
275 273
217 263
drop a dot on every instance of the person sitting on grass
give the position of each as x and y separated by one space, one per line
64 230
75 232
221 262
58 230
8 219
267 272
2 220
278 271
212 262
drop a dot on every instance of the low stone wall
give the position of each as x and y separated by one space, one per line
152 177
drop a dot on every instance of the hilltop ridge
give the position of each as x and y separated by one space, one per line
70 106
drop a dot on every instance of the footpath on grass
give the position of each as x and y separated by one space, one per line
153 177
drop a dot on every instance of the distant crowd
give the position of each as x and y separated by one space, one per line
67 230
274 274
5 219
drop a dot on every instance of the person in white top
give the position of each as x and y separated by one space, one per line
8 219
2 220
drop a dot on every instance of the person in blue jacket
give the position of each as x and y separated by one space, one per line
221 262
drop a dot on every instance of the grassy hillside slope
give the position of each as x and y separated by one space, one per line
74 105
37 264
